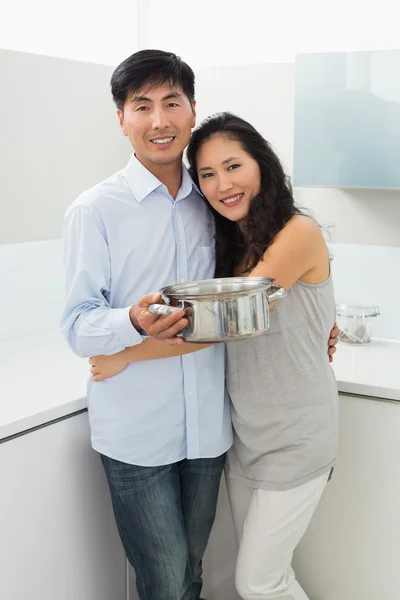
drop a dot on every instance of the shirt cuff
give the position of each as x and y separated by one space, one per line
122 327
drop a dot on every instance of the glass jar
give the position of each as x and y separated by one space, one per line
354 322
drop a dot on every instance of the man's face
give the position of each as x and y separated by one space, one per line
158 122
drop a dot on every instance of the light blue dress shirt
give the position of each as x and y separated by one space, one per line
123 238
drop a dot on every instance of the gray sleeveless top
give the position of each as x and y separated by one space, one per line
284 393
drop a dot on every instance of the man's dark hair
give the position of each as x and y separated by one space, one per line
150 68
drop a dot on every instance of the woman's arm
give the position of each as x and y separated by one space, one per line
299 252
150 349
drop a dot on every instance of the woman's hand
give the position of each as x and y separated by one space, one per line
333 340
103 366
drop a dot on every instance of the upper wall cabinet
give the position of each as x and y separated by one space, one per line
347 120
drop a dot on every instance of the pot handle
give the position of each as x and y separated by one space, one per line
275 292
162 309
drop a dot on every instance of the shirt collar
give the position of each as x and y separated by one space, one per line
140 180
143 183
187 184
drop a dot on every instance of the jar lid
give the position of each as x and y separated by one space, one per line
357 310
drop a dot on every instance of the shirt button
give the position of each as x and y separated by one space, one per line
180 243
190 392
182 280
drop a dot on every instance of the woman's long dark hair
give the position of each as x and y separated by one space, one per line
268 212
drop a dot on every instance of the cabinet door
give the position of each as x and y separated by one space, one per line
352 547
347 116
58 539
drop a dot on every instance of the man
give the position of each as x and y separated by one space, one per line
162 427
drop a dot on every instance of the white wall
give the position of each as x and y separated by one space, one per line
97 31
206 32
31 276
237 32
63 140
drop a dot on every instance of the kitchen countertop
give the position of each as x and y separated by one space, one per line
42 380
369 370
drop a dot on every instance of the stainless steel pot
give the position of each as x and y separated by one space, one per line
232 308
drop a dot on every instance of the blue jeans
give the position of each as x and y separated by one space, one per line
164 517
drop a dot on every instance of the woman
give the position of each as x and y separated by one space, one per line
282 388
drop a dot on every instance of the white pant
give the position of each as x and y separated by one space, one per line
269 525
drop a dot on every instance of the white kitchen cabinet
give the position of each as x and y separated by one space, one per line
58 540
346 130
351 550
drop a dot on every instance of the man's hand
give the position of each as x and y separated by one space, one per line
103 366
158 326
333 340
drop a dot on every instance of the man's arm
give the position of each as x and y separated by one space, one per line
89 324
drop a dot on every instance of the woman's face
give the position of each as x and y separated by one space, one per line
228 176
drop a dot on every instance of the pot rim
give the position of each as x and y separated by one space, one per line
183 290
